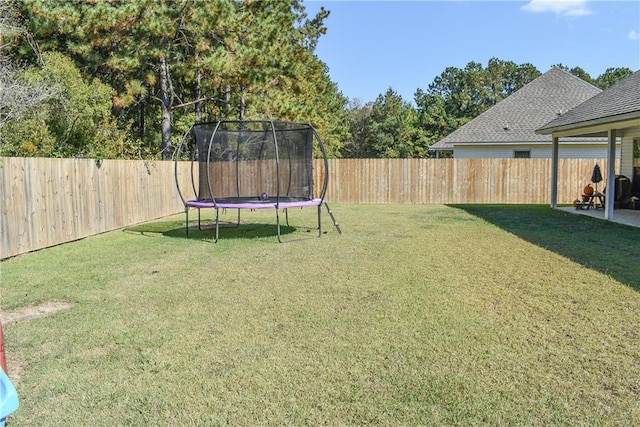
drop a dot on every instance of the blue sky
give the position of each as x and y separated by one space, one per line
373 45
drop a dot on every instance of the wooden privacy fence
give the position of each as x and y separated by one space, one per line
45 202
424 181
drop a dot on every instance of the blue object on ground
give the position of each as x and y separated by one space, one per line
8 398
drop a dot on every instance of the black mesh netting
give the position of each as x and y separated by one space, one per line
254 160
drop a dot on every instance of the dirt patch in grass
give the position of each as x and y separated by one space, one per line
33 312
16 366
15 363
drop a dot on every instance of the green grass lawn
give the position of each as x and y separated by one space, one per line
416 315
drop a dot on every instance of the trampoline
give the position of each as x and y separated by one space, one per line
252 164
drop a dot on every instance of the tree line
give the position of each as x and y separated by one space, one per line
126 78
392 127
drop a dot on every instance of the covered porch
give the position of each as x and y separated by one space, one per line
615 114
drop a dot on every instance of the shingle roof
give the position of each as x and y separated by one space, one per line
623 98
524 111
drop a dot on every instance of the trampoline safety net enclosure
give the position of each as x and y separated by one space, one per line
252 165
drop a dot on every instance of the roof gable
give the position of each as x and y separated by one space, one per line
516 118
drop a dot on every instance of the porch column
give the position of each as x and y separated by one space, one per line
554 173
611 175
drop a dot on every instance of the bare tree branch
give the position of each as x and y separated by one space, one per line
17 97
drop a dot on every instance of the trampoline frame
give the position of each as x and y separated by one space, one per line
277 203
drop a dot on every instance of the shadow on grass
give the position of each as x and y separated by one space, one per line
208 231
610 248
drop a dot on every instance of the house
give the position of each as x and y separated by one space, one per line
614 114
508 129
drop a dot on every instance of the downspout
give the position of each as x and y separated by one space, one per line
609 201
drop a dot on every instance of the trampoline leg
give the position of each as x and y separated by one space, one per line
319 220
217 226
186 221
286 216
199 224
238 218
335 223
278 224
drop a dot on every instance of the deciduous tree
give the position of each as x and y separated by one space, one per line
17 97
75 121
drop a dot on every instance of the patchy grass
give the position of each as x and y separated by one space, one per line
417 315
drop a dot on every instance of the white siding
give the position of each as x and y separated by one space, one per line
506 151
626 161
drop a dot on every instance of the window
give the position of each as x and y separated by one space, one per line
522 154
